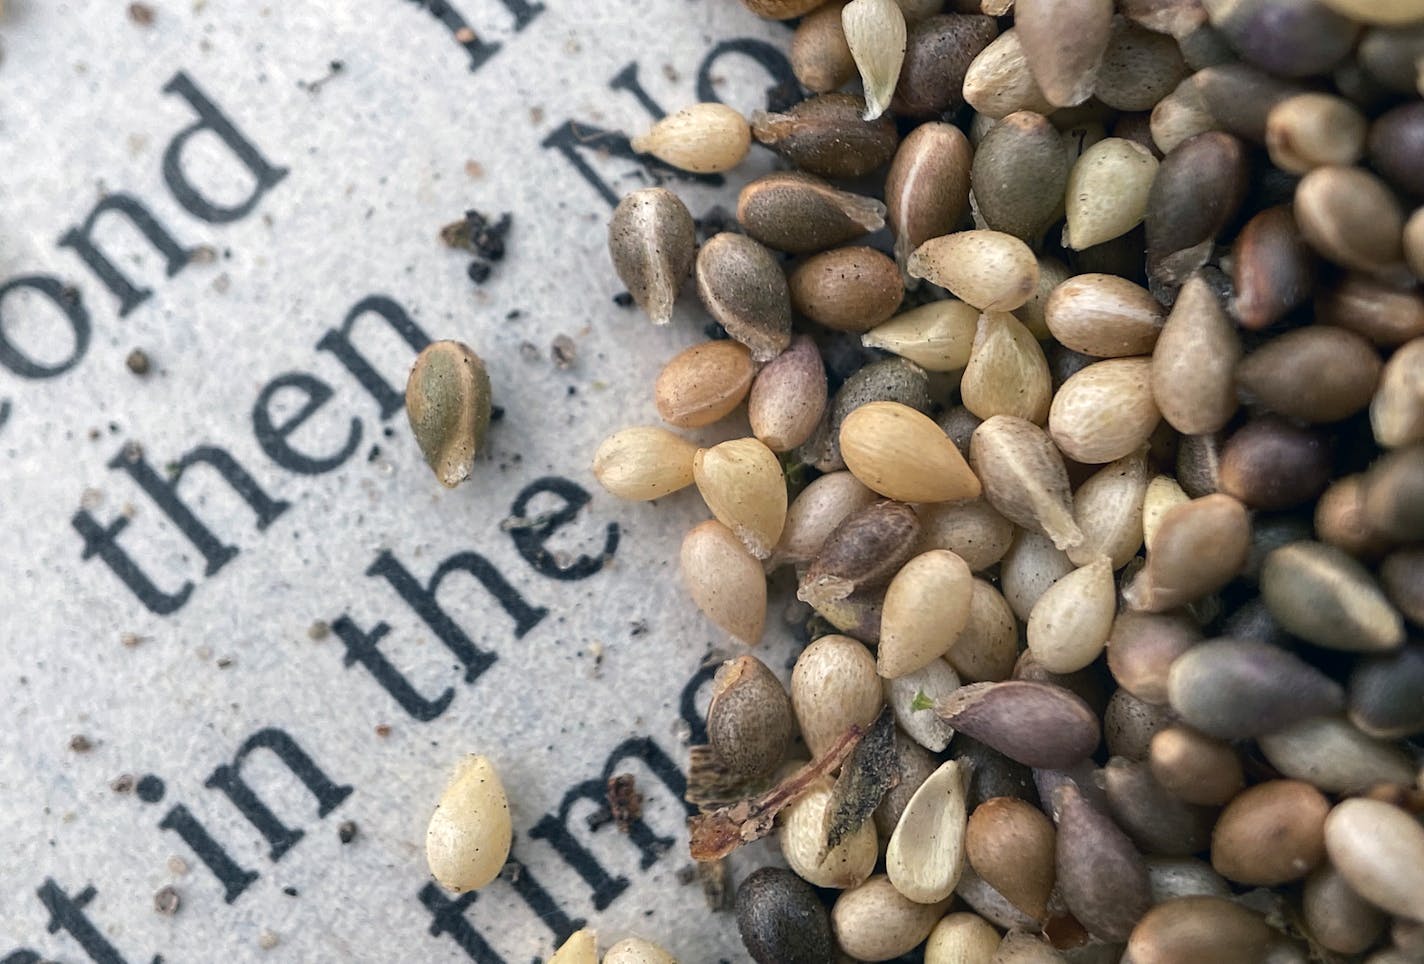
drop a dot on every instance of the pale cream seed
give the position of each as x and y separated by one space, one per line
705 138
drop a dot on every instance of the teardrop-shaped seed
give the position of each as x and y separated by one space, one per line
887 380
1070 622
1007 372
999 81
1235 689
1273 463
937 336
580 948
1139 68
816 512
1197 191
704 138
743 289
970 528
875 32
725 581
788 396
1104 316
802 836
927 187
1322 595
1240 97
819 55
1312 130
1108 192
1337 918
1142 648
1104 412
1129 724
938 52
826 135
749 721
1329 753
904 455
1317 373
741 482
1101 876
1379 850
926 605
1019 175
1108 510
1394 494
1064 42
800 214
833 685
1037 724
1199 928
703 384
1271 834
1010 844
1272 269
469 835
652 242
875 922
1179 116
990 270
1351 217
864 551
926 851
1384 693
1194 362
1024 477
1198 547
1387 315
1034 312
961 938
447 399
988 644
1195 768
644 463
848 289
1397 409
1032 564
1154 819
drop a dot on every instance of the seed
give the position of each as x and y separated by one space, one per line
1391 58
914 764
990 270
820 57
1322 595
1105 411
703 384
1272 269
780 9
888 380
927 186
1139 68
653 243
704 138
988 644
998 81
1382 12
937 336
635 950
644 463
1107 192
1317 373
1199 928
961 938
1328 753
1007 372
816 512
1010 844
1156 821
926 606
1384 693
1101 876
1199 463
1288 39
1033 313
857 615
834 686
1142 647
1336 917
865 550
848 289
1108 510
803 842
1414 242
1036 724
580 948
926 852
990 904
1197 191
447 399
1177 877
788 396
1379 850
1271 834
1397 409
1396 139
1194 361
781 920
906 696
469 835
1070 622
1235 689
1340 519
1270 463
1104 316
938 52
959 424
1129 724
1024 477
1239 97
1026 946
724 580
1351 217
1394 494
1314 130
874 922
1195 768
798 213
743 289
1019 175
749 722
1179 116
826 135
875 32
741 482
1199 546
971 529
903 455
1064 43
1386 315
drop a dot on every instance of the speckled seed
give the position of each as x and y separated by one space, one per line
1108 510
1142 647
1107 192
1379 850
825 135
987 646
635 950
971 528
887 380
925 855
800 214
1010 844
904 455
926 606
1271 834
962 938
937 336
1154 819
469 835
1322 595
1139 68
652 243
816 512
1195 768
990 270
1007 372
1197 191
1351 217
781 920
644 463
848 289
803 843
1024 478
725 580
1329 753
927 186
906 695
875 31
1272 269
741 482
1019 175
1101 876
1129 724
1397 409
1313 130
938 53
865 550
1336 917
1199 928
819 55
1104 412
1070 622
1234 689
1064 43
703 384
788 396
998 81
874 922
1104 316
749 721
580 948
834 685
1198 547
1317 373
743 289
1037 724
447 399
704 138
1194 362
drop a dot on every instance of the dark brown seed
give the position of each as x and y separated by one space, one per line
927 187
1394 494
1385 314
781 920
1194 767
1020 173
938 52
849 289
1396 144
1402 578
1199 464
1384 693
1239 97
1318 373
1101 876
1270 463
864 551
1142 648
1199 928
1235 689
1159 823
1391 57
991 774
1289 38
825 135
749 722
1340 520
1036 724
1271 834
1198 189
1139 68
1272 269
800 214
914 764
1351 217
742 287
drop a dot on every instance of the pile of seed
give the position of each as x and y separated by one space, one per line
1082 352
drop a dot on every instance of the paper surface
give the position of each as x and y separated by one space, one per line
170 719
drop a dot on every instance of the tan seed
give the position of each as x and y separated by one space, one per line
1270 834
1142 648
1385 314
1314 130
1064 41
874 922
999 81
1024 477
1180 116
988 644
652 242
1199 547
799 213
580 948
644 463
971 528
926 852
1163 495
1322 595
817 511
1108 510
1104 316
927 186
990 270
926 606
904 455
1105 411
1194 362
848 289
468 839
704 138
1034 312
725 580
743 289
962 938
1069 625
1107 192
875 32
703 384
741 482
937 336
635 950
1195 768
1379 850
1010 844
1340 520
1397 409
1199 928
788 396
820 57
1351 217
1007 372
834 685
